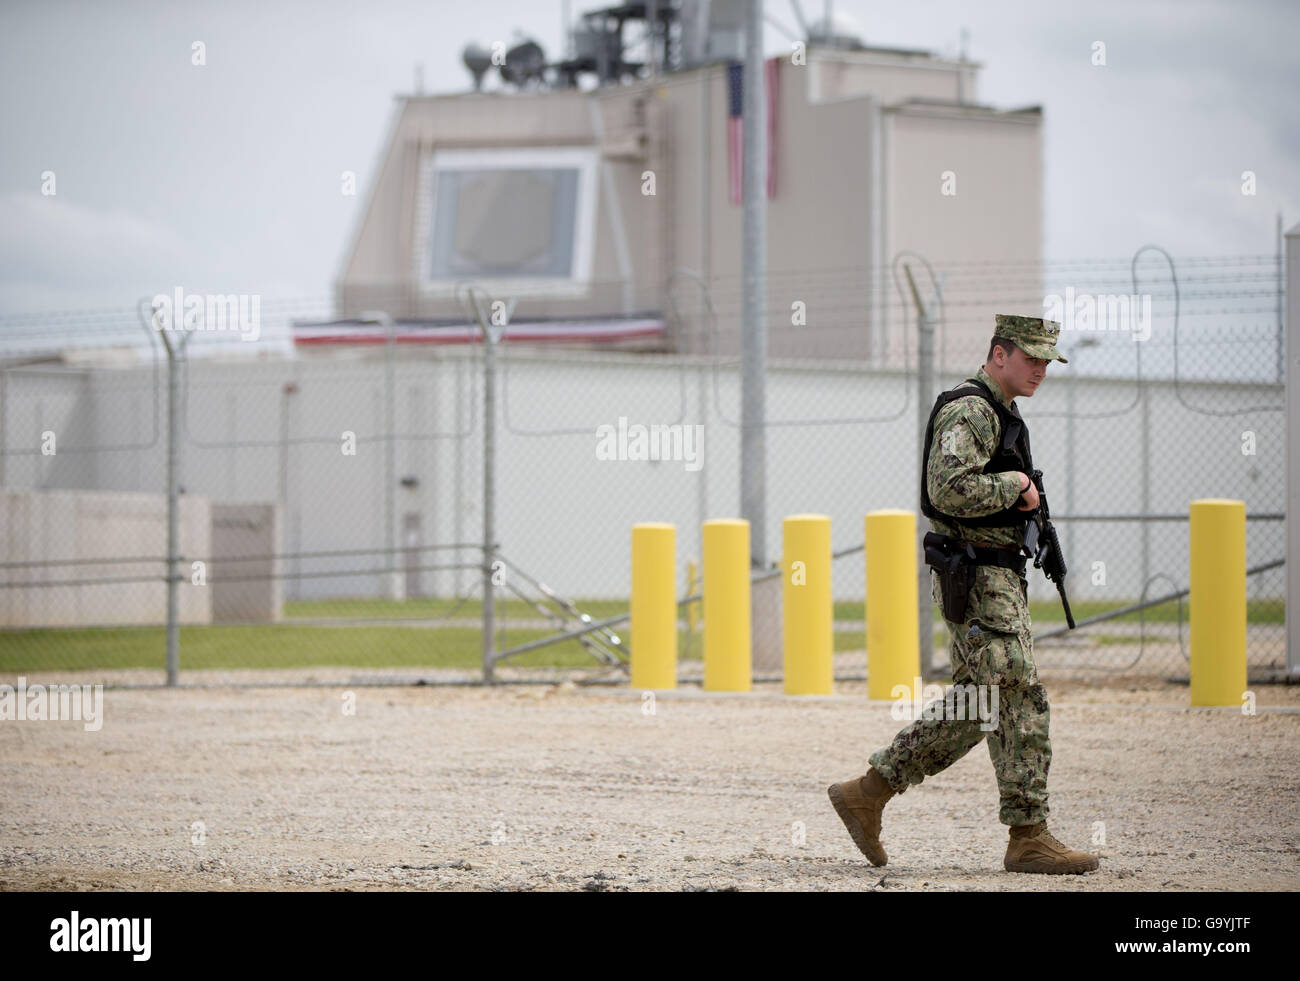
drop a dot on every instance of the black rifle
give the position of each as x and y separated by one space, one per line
1041 543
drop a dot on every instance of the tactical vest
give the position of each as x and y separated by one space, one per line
1012 454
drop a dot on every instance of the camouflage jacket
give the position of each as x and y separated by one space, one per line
966 434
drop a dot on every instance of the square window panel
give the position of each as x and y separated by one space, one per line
508 216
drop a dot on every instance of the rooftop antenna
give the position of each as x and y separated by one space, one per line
419 79
798 15
652 36
961 72
525 62
478 60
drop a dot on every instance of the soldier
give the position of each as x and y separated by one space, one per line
976 491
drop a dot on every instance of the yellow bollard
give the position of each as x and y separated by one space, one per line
653 630
893 649
807 607
727 651
1218 601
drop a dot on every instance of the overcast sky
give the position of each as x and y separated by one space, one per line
225 178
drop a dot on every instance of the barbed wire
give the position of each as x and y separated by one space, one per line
841 297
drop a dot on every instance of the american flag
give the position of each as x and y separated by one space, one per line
736 128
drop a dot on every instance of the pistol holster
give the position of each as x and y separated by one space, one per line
954 566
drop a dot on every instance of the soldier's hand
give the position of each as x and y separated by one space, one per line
1028 493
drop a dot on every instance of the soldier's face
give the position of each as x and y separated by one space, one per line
1023 374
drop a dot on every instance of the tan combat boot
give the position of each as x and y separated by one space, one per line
859 802
1032 849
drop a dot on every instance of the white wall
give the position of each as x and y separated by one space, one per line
86 526
566 516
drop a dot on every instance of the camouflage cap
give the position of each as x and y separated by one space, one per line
1033 335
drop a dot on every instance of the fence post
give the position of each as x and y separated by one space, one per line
173 508
395 584
489 488
924 403
1293 449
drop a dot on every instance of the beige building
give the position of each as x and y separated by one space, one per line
601 217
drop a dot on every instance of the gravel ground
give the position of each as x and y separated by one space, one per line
561 787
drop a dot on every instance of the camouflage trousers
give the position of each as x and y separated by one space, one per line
993 647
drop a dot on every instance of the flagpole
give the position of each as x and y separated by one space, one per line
753 464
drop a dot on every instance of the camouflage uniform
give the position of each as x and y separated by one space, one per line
994 644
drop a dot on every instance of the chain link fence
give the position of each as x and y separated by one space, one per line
331 506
